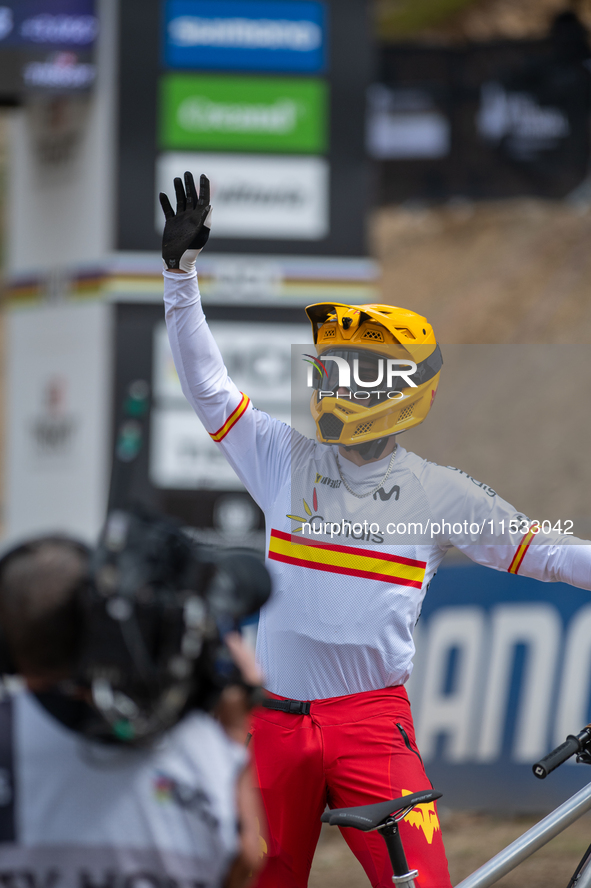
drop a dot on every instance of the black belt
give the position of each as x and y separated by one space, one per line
295 707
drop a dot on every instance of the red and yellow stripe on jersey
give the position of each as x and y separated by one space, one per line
231 420
520 553
348 560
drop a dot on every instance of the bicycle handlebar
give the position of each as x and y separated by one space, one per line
570 747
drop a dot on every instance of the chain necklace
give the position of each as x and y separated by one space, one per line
382 482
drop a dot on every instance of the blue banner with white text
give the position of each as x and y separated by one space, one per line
502 675
253 35
39 24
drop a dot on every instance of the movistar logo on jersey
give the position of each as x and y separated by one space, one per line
385 496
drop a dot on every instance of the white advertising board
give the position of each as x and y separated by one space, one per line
255 196
258 358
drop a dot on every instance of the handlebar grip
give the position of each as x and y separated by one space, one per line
559 755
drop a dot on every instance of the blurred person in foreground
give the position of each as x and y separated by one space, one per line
110 781
350 564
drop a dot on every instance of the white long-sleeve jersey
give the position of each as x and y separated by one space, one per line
349 573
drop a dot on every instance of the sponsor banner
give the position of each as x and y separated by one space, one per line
46 46
243 35
257 196
485 120
245 39
43 24
405 124
243 113
62 71
183 455
520 121
502 675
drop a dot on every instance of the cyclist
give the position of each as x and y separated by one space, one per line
335 641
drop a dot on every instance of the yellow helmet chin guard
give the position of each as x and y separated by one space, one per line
387 332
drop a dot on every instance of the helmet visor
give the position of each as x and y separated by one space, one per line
361 370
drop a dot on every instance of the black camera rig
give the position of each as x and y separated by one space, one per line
154 614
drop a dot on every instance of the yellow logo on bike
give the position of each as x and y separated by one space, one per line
423 817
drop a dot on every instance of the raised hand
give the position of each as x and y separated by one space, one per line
186 231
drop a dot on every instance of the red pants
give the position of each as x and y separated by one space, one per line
352 750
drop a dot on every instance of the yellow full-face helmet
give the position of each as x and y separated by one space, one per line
376 373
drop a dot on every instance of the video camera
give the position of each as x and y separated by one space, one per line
154 613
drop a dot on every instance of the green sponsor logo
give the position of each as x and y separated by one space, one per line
243 113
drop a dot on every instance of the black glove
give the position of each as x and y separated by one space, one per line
186 231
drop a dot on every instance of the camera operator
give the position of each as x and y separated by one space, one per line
95 790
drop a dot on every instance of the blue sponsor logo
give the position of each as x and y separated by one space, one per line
245 35
40 24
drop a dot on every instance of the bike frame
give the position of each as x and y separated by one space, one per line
536 837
